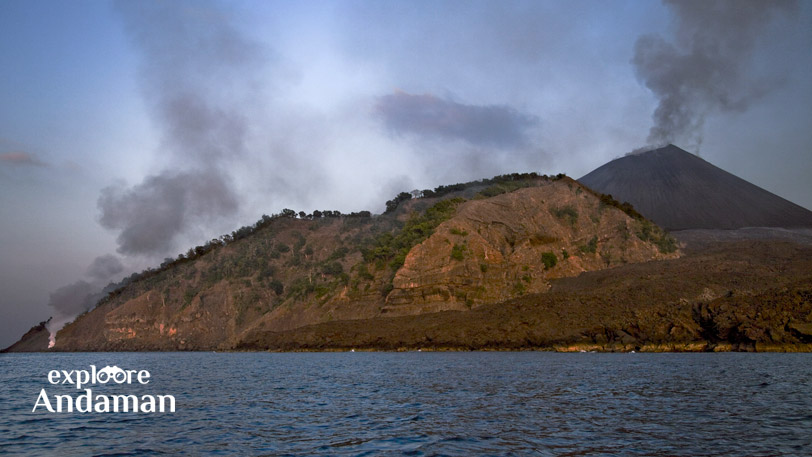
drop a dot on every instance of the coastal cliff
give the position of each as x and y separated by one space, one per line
734 296
477 244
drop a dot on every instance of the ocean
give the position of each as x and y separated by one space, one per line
411 404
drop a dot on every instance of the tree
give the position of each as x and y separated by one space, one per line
392 205
332 269
549 260
277 287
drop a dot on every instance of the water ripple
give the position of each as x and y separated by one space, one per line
427 404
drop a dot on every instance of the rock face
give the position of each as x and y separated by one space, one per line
493 249
432 254
733 296
678 190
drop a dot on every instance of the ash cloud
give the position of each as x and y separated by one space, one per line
196 75
430 116
152 215
196 79
104 267
705 68
69 301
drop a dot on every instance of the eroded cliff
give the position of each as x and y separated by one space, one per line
468 248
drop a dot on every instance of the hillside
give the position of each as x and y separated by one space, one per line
743 295
457 247
678 190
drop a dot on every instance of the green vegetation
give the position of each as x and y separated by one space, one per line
339 253
626 207
301 287
507 187
549 260
332 269
566 213
189 295
392 205
519 288
299 243
393 247
458 232
665 243
363 272
483 267
295 260
458 252
265 224
591 247
277 287
497 185
305 286
387 288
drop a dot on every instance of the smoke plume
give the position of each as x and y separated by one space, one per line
197 72
429 115
152 214
74 299
196 80
104 267
705 68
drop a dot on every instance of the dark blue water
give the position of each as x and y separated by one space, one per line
422 404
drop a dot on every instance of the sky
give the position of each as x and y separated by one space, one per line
133 130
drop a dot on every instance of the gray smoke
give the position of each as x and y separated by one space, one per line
196 80
152 214
104 267
197 72
705 69
74 299
429 115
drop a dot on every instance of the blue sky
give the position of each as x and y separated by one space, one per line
140 129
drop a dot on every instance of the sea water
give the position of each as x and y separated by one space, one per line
419 404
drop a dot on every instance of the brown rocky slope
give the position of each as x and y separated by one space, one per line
743 295
458 251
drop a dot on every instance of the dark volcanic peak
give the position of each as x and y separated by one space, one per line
678 190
